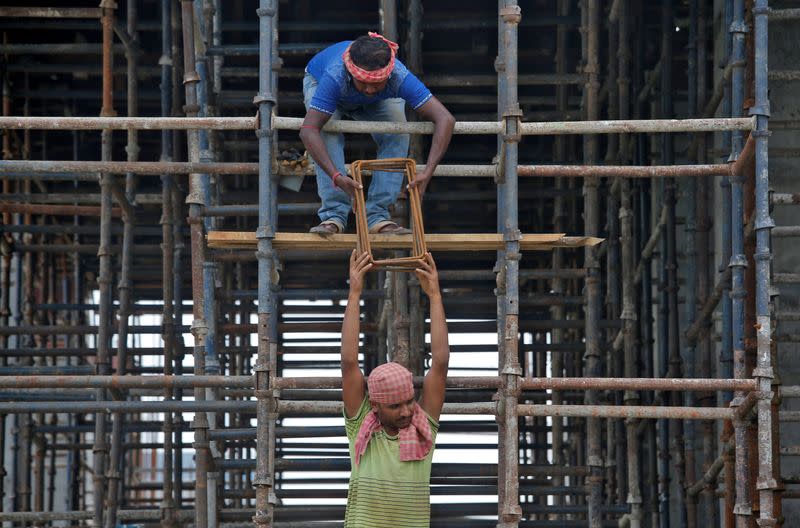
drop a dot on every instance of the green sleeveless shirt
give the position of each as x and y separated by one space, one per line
385 492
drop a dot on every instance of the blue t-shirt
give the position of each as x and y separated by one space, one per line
335 85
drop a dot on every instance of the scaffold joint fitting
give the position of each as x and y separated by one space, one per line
762 110
511 14
764 372
265 233
514 370
264 97
266 11
738 261
191 77
512 133
738 26
595 461
764 221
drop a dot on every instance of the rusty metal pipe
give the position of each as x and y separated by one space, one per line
589 126
543 171
124 382
591 214
57 210
784 14
50 12
629 412
127 123
369 127
199 323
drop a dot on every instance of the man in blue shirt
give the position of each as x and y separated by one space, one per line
362 79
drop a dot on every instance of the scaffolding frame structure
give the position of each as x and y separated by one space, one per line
638 397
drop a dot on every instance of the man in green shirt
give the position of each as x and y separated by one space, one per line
391 436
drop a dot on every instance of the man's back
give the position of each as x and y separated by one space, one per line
385 491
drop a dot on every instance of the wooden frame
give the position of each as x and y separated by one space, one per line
409 168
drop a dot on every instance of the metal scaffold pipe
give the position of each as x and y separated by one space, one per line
591 215
264 369
508 508
370 127
243 168
768 432
530 129
50 12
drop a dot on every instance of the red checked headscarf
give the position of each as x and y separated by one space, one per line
391 383
371 76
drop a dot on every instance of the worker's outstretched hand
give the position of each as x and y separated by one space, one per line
359 265
348 185
428 276
421 181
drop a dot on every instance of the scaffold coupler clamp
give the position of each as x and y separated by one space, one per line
513 237
511 14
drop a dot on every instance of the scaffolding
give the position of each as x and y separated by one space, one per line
610 406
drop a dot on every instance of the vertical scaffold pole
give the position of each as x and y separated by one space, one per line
100 448
176 73
388 15
743 506
616 483
769 510
726 339
116 458
499 268
204 13
196 200
690 303
673 339
167 221
629 317
509 509
591 215
267 343
559 223
706 369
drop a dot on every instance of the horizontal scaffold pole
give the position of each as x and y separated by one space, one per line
633 411
127 123
332 382
784 14
554 128
334 408
435 242
124 382
492 382
469 171
50 12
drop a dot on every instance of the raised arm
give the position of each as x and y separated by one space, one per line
353 383
443 123
436 379
311 135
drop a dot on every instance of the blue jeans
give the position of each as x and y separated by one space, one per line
385 186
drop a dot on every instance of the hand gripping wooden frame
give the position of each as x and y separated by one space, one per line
409 168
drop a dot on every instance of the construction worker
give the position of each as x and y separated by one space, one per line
391 436
363 80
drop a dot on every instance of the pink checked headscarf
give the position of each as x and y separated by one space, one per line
371 76
391 383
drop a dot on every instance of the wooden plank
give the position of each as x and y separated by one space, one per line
435 242
568 242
